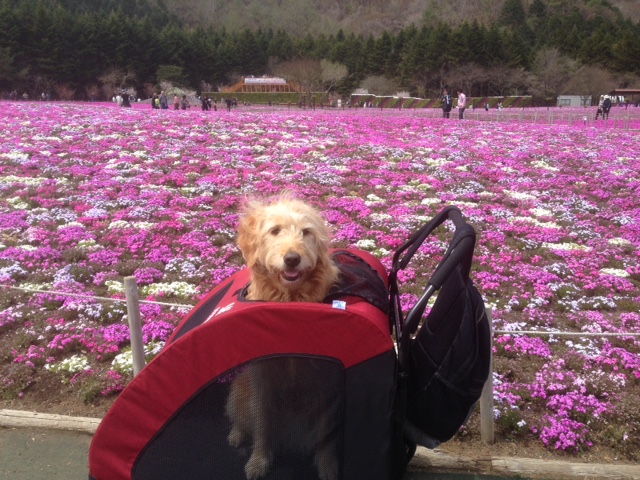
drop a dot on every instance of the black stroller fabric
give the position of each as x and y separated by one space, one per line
445 358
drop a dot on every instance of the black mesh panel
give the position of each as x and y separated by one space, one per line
359 279
276 418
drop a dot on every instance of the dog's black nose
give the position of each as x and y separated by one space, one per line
292 259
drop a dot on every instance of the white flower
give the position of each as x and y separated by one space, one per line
118 224
179 289
566 246
544 165
366 244
113 286
519 195
70 365
123 362
623 242
144 225
615 272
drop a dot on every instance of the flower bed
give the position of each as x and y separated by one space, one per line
92 193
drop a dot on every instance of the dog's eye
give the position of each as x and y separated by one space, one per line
274 230
306 231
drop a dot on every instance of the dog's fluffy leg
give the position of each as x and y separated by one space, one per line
261 454
238 410
326 457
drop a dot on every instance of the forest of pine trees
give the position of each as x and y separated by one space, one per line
88 49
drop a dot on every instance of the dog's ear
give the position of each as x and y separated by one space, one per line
248 233
322 234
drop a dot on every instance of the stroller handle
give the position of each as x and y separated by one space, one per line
458 255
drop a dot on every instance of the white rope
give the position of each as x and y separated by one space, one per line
181 305
88 297
566 334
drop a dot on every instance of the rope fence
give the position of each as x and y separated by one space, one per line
487 425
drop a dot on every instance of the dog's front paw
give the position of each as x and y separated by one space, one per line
257 466
236 437
327 466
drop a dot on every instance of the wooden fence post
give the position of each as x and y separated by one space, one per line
487 426
135 325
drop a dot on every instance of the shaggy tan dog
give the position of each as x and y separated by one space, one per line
286 246
286 404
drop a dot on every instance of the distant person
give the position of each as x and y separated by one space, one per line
606 106
462 103
447 103
164 102
184 103
176 102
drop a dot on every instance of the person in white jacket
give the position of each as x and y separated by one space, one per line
462 104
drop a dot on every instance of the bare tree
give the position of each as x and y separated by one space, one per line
589 81
110 79
379 85
205 87
503 80
149 89
469 77
306 72
93 92
64 92
332 73
550 71
117 79
41 84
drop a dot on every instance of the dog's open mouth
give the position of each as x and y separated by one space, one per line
291 275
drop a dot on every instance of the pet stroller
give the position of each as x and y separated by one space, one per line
265 390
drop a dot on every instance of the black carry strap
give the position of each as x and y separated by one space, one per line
459 253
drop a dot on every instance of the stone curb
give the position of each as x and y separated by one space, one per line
425 459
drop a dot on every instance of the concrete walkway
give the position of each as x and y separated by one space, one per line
41 446
39 454
43 454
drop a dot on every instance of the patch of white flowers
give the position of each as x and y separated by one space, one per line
535 222
615 272
568 246
380 218
519 195
373 200
71 365
144 225
123 362
370 246
118 224
622 242
114 287
178 289
544 165
366 244
18 203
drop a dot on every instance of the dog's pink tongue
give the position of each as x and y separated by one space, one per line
291 275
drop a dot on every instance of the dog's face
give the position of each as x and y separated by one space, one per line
285 240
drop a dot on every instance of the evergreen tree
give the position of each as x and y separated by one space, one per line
306 46
538 9
281 46
626 51
512 13
380 52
